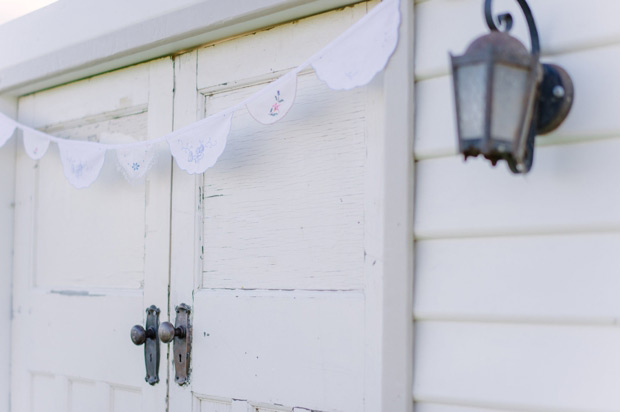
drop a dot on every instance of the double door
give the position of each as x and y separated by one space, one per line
272 248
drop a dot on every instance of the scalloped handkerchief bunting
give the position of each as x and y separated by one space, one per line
135 161
7 128
81 161
273 102
35 143
197 147
355 57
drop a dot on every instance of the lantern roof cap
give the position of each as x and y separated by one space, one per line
498 41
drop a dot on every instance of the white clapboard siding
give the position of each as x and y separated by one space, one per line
450 25
575 279
593 115
571 188
517 289
518 366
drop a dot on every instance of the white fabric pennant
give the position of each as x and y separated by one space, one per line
274 101
197 147
351 60
7 128
35 143
81 161
360 53
135 161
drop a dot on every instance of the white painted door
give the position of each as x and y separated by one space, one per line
278 248
88 262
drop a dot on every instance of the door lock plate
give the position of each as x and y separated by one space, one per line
148 337
182 345
151 346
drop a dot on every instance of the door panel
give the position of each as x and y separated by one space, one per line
88 262
280 348
60 209
268 246
288 197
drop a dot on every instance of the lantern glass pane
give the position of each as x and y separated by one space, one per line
471 86
510 99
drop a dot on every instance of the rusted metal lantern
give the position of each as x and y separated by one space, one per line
504 96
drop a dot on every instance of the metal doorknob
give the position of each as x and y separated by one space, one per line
167 332
139 335
181 334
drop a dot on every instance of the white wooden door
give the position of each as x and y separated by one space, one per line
88 262
278 247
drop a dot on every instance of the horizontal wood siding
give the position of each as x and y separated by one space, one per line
517 295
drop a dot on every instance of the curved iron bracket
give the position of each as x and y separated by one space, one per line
505 20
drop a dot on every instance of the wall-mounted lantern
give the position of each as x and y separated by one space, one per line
505 97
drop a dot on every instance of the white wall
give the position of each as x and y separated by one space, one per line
75 39
518 277
7 198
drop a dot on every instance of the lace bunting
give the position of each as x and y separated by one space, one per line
355 57
35 143
196 147
274 101
81 161
7 128
349 61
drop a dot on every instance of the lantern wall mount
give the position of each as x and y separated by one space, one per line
504 96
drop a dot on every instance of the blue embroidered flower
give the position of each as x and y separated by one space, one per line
194 156
77 169
135 166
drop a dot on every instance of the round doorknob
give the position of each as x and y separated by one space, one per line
139 335
167 332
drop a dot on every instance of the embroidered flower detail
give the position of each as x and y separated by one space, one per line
77 169
35 143
275 109
196 147
194 156
135 166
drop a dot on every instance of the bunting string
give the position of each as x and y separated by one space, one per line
350 60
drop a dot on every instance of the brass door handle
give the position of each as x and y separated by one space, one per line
180 333
148 338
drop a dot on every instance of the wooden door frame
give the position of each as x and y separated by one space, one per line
389 228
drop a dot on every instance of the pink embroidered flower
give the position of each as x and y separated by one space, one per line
275 109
